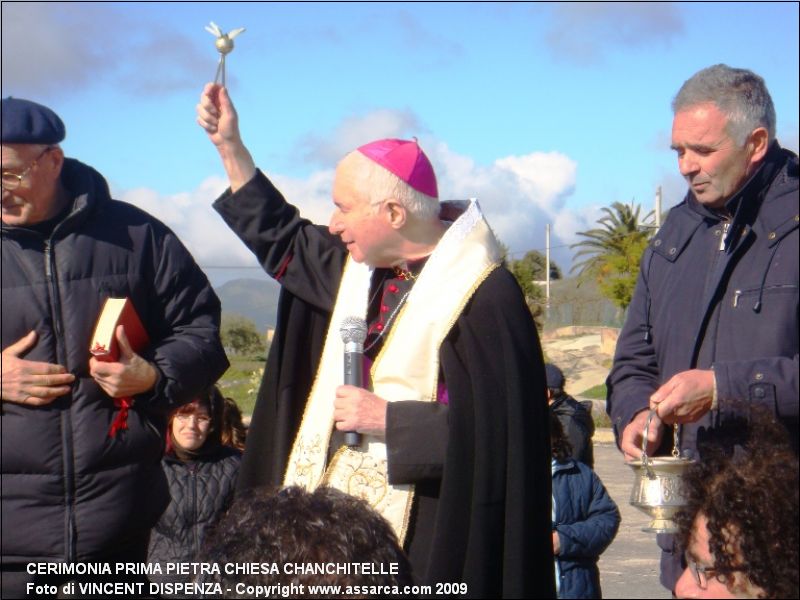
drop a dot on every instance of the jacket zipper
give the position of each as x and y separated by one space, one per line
725 227
195 524
69 474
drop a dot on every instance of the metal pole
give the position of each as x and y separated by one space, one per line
547 262
658 208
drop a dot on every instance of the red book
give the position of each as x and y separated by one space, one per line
117 311
104 346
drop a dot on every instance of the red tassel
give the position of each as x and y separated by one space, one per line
121 420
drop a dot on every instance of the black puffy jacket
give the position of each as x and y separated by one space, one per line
578 427
200 490
70 492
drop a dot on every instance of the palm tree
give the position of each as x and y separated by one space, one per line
620 223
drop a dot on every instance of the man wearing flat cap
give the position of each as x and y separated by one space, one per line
455 444
80 467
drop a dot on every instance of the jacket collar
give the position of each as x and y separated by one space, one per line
85 186
567 465
559 400
741 204
780 210
669 242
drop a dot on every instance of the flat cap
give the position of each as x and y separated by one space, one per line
555 376
26 122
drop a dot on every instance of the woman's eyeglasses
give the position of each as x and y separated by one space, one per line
703 574
201 420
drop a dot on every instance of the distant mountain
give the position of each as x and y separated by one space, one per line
256 299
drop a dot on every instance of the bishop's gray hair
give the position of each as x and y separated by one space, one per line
740 94
379 185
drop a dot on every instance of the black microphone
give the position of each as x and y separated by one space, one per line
354 332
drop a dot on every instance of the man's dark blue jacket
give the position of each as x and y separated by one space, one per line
730 305
707 300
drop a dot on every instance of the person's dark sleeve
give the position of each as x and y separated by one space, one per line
634 375
590 537
304 258
189 355
416 440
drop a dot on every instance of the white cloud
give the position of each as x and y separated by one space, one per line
40 53
312 196
436 49
518 194
582 32
673 188
328 148
49 49
190 216
568 223
545 177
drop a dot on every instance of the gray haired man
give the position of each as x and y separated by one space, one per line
714 317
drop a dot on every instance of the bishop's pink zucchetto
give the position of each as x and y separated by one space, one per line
405 159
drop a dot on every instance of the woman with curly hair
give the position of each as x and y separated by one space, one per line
740 524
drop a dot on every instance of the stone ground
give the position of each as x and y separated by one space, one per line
580 359
629 567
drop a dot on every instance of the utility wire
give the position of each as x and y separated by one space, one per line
511 254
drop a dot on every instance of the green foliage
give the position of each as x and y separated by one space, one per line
536 263
601 419
534 294
242 379
611 253
239 335
503 252
597 392
599 416
618 222
527 270
620 271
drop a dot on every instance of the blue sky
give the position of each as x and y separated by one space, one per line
545 112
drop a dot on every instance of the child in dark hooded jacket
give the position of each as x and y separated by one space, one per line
585 520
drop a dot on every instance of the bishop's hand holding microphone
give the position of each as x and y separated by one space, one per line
357 410
354 332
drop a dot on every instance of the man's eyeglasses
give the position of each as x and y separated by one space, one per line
12 181
201 420
703 574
